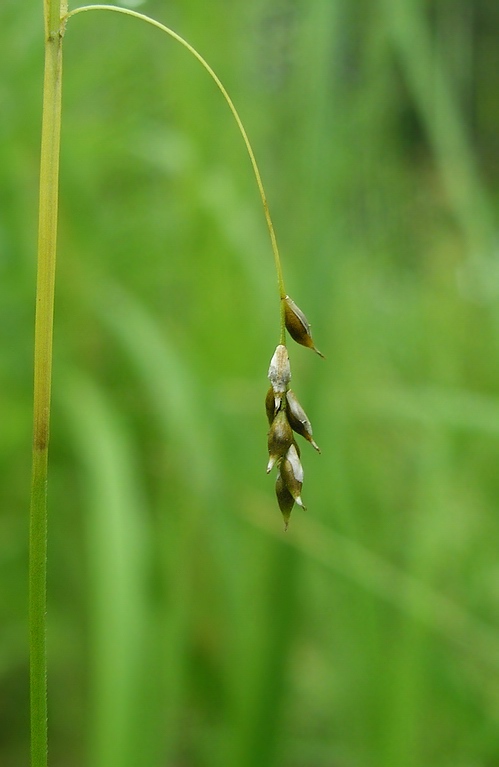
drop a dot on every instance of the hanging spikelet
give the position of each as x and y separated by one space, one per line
285 415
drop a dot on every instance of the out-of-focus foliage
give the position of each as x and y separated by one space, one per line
185 629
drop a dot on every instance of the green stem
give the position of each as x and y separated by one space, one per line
230 103
47 235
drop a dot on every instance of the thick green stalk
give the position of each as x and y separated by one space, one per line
47 236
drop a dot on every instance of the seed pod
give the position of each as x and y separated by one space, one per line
298 419
292 473
284 499
280 438
279 372
297 325
270 406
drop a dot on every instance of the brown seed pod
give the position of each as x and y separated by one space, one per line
270 407
291 471
279 439
297 325
298 419
284 499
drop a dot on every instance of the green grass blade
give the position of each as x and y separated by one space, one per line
117 545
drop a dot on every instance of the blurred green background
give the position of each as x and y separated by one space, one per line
185 628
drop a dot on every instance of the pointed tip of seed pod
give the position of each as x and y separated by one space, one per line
271 463
286 515
315 445
300 503
308 342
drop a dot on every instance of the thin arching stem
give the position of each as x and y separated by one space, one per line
230 103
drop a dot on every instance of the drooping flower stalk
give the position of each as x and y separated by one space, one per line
235 113
292 318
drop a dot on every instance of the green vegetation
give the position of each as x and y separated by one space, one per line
184 626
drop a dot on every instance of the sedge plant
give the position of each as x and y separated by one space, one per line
285 414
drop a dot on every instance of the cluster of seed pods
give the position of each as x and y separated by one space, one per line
286 416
